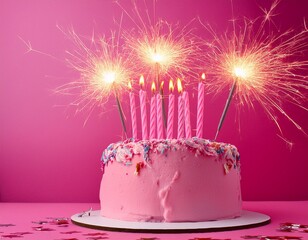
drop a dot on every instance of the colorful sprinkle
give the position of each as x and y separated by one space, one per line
139 166
124 152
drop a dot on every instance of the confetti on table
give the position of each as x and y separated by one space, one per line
264 237
95 234
69 239
6 225
11 236
293 227
97 238
22 233
209 238
70 232
40 222
152 238
42 229
85 213
59 221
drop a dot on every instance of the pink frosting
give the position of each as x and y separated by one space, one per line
172 181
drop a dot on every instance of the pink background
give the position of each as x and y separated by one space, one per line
47 155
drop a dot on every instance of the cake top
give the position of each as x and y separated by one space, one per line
125 150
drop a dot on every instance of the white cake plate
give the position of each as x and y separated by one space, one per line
248 219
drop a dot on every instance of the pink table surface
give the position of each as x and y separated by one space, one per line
22 216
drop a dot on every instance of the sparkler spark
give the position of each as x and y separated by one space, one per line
263 67
103 72
161 51
159 48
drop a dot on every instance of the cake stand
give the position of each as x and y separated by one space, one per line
92 219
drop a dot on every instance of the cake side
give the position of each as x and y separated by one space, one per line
170 180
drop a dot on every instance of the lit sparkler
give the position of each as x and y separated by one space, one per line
162 51
103 72
160 48
261 66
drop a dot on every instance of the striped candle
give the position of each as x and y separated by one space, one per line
143 109
159 111
200 108
133 111
170 111
180 110
133 114
187 115
153 113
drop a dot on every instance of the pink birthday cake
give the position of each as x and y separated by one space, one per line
177 180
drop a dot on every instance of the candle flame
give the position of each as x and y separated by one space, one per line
171 86
162 85
203 76
141 81
179 85
153 87
130 87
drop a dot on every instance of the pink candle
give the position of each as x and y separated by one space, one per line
133 111
143 109
153 113
180 110
187 115
170 111
200 108
160 126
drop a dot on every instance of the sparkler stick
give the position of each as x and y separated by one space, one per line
161 91
223 115
121 114
109 77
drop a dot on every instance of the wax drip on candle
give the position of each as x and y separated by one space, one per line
170 111
153 112
200 107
